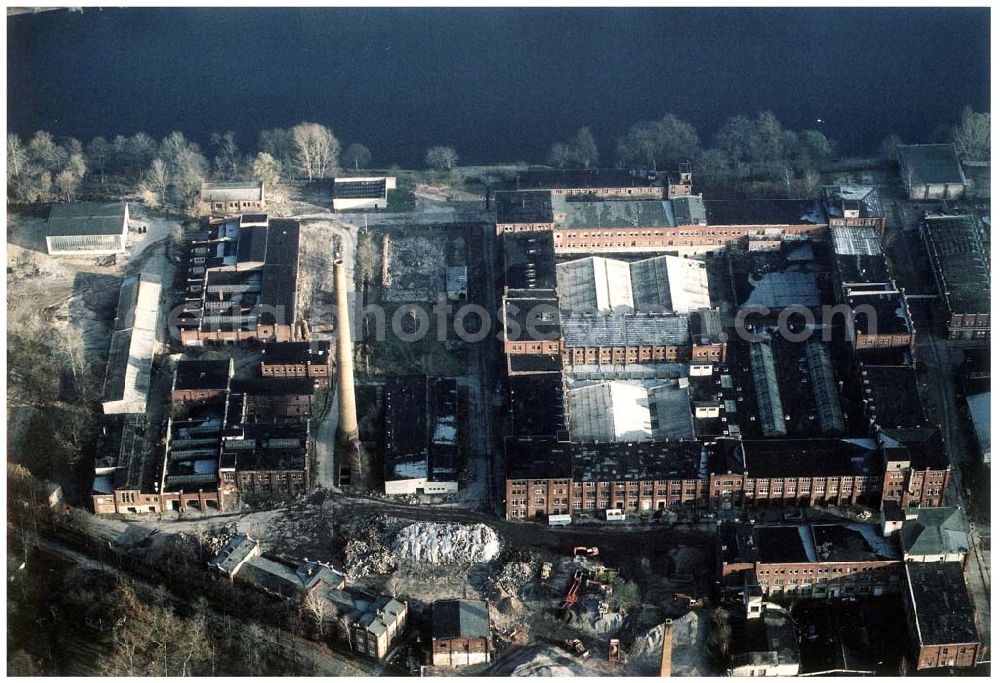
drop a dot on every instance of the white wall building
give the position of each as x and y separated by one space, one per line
362 193
87 229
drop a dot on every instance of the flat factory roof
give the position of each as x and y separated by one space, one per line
940 600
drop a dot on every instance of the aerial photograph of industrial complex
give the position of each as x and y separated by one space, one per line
491 342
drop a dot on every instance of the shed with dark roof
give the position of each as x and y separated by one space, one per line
931 171
87 228
460 632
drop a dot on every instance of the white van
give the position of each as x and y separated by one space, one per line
559 520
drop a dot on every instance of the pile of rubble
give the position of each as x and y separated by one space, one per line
366 552
215 540
513 576
442 543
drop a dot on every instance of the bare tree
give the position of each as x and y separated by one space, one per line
442 158
17 166
815 146
639 146
584 148
344 629
279 144
319 610
560 154
972 136
767 141
17 156
189 173
357 155
171 149
677 140
98 155
227 160
720 634
267 169
735 138
157 181
66 185
250 638
46 153
316 149
811 180
653 144
137 152
153 641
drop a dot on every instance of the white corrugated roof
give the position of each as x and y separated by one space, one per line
856 241
609 411
130 359
658 284
595 284
688 282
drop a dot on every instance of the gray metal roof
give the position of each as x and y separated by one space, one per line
979 411
689 210
765 385
856 241
238 548
86 218
824 388
252 191
960 259
930 164
460 619
271 576
570 214
624 330
934 531
862 198
779 290
595 284
670 411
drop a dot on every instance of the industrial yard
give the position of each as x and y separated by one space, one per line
673 399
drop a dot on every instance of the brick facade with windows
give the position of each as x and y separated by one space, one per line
917 470
819 561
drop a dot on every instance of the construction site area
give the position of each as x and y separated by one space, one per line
560 605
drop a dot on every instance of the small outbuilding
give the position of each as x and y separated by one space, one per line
362 193
229 198
87 228
460 633
931 171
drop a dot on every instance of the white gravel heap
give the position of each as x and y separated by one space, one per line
447 543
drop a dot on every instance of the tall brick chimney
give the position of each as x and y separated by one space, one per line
347 428
666 655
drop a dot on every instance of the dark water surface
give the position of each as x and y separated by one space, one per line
498 84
